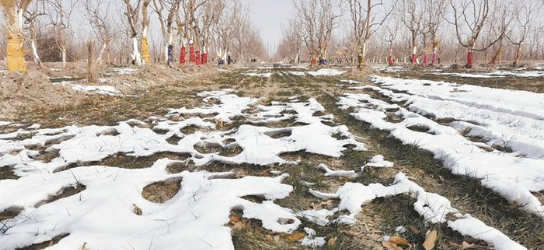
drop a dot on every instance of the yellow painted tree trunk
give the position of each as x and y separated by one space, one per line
12 14
16 54
145 51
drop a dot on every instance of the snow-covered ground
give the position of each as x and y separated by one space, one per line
110 213
326 72
496 74
264 75
101 90
431 206
494 135
124 71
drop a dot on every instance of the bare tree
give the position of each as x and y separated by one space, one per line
132 14
366 21
412 18
31 19
241 26
525 14
500 27
186 26
207 17
471 15
60 18
97 13
166 11
434 15
318 21
13 11
291 45
391 31
224 29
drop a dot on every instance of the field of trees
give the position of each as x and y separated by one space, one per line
344 32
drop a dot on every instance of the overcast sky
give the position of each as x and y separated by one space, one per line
270 16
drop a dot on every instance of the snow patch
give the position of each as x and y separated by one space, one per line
326 72
101 90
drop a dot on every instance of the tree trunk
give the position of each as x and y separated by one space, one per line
390 58
519 55
15 46
205 56
434 60
37 59
136 56
313 60
146 58
101 54
360 61
197 57
425 60
91 65
192 58
496 57
470 59
63 52
182 55
414 55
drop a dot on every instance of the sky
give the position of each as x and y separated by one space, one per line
270 16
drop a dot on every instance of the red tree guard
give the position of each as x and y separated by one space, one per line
198 60
414 56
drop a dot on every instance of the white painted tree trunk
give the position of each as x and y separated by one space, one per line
37 59
101 54
136 56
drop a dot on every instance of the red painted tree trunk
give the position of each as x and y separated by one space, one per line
470 60
390 60
205 58
192 58
434 60
198 60
414 57
425 60
182 55
313 62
